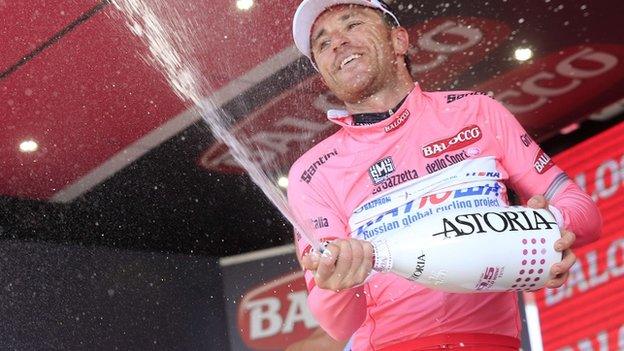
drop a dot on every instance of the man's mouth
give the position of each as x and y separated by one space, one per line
349 59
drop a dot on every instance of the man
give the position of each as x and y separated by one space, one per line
395 136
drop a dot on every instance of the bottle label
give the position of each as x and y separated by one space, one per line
499 249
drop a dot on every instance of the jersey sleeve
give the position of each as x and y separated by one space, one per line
580 214
340 314
532 172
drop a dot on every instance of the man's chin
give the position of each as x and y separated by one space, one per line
353 92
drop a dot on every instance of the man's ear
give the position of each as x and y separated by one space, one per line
400 41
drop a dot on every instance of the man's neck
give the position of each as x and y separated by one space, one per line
383 100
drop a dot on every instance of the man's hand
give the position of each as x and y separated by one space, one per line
346 264
559 272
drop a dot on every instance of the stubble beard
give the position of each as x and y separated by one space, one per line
364 89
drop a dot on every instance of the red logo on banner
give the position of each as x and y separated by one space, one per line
444 48
280 131
556 90
275 315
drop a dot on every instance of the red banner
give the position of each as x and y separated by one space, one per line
587 312
561 87
276 314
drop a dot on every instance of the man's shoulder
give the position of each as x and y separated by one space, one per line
320 153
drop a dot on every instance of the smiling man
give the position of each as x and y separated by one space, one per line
394 139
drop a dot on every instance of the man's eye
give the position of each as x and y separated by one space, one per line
323 44
353 24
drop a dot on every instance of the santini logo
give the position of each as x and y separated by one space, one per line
307 175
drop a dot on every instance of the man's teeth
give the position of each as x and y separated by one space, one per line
349 59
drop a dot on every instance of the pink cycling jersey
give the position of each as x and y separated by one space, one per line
447 151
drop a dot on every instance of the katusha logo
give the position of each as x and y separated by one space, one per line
463 138
275 315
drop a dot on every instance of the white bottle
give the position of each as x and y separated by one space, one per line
500 249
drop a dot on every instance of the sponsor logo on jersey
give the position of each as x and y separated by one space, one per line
463 138
320 222
454 97
526 139
398 122
443 162
413 210
484 174
395 180
374 203
307 175
381 170
542 162
378 229
476 223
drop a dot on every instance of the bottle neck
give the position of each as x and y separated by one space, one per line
382 260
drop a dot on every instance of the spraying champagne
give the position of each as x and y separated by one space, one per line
499 249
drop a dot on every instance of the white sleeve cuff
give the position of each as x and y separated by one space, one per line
558 215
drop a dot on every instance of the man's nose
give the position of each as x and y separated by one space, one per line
339 40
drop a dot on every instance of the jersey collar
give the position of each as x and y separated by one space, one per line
402 113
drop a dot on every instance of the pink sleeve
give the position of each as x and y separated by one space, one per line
533 172
580 214
339 314
530 170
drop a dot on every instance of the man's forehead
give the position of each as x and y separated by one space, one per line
337 12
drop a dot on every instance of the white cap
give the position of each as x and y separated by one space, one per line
309 10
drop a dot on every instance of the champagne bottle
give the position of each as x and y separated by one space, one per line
499 249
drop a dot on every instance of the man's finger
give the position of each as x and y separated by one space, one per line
557 281
327 264
310 261
564 266
358 257
568 261
566 241
343 263
367 263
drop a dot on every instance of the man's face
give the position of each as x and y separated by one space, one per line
353 50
